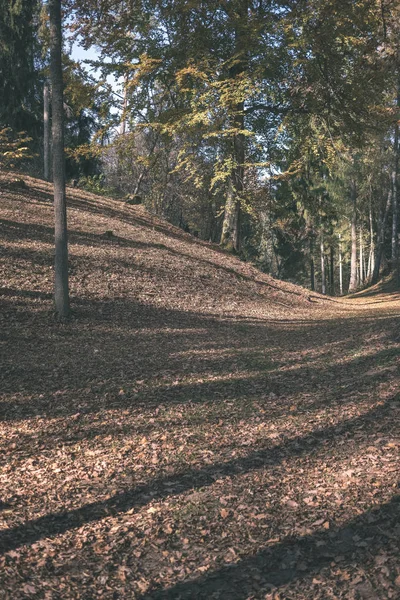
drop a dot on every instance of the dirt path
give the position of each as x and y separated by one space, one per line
197 431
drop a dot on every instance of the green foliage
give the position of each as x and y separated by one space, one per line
95 184
285 108
19 61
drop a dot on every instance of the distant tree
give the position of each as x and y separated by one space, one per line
262 107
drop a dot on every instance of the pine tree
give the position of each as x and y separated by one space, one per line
61 292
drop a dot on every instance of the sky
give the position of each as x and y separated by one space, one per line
79 54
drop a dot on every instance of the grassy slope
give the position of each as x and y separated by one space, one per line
200 430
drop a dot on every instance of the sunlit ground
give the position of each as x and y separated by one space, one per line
199 430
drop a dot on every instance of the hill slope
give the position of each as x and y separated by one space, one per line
144 259
198 430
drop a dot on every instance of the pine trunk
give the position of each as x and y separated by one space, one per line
381 238
395 211
231 226
371 257
230 239
353 259
46 130
395 202
361 259
312 266
332 271
323 274
340 267
61 293
395 184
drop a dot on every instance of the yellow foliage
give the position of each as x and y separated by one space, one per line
145 66
13 147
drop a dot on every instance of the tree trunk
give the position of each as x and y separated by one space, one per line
230 237
332 271
371 257
124 105
231 226
145 168
395 184
139 182
312 266
46 130
381 238
61 293
340 267
323 274
395 212
353 260
361 258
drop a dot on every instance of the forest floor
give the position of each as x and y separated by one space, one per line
199 429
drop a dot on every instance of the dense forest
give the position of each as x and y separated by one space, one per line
269 127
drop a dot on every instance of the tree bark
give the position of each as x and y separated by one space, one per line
371 257
361 258
323 273
312 266
145 168
61 292
230 236
340 267
46 130
395 184
381 237
124 105
332 271
353 259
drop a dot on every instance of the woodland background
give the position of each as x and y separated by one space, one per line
271 127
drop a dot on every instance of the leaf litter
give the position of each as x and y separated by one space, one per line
199 429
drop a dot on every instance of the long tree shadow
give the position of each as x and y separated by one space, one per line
296 558
13 230
223 374
178 483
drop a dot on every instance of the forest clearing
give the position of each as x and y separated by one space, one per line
198 429
199 299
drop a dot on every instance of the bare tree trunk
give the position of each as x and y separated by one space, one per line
353 259
332 271
230 238
231 226
381 237
145 168
395 183
395 212
124 105
139 182
312 266
371 257
340 267
323 273
61 293
361 258
46 130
